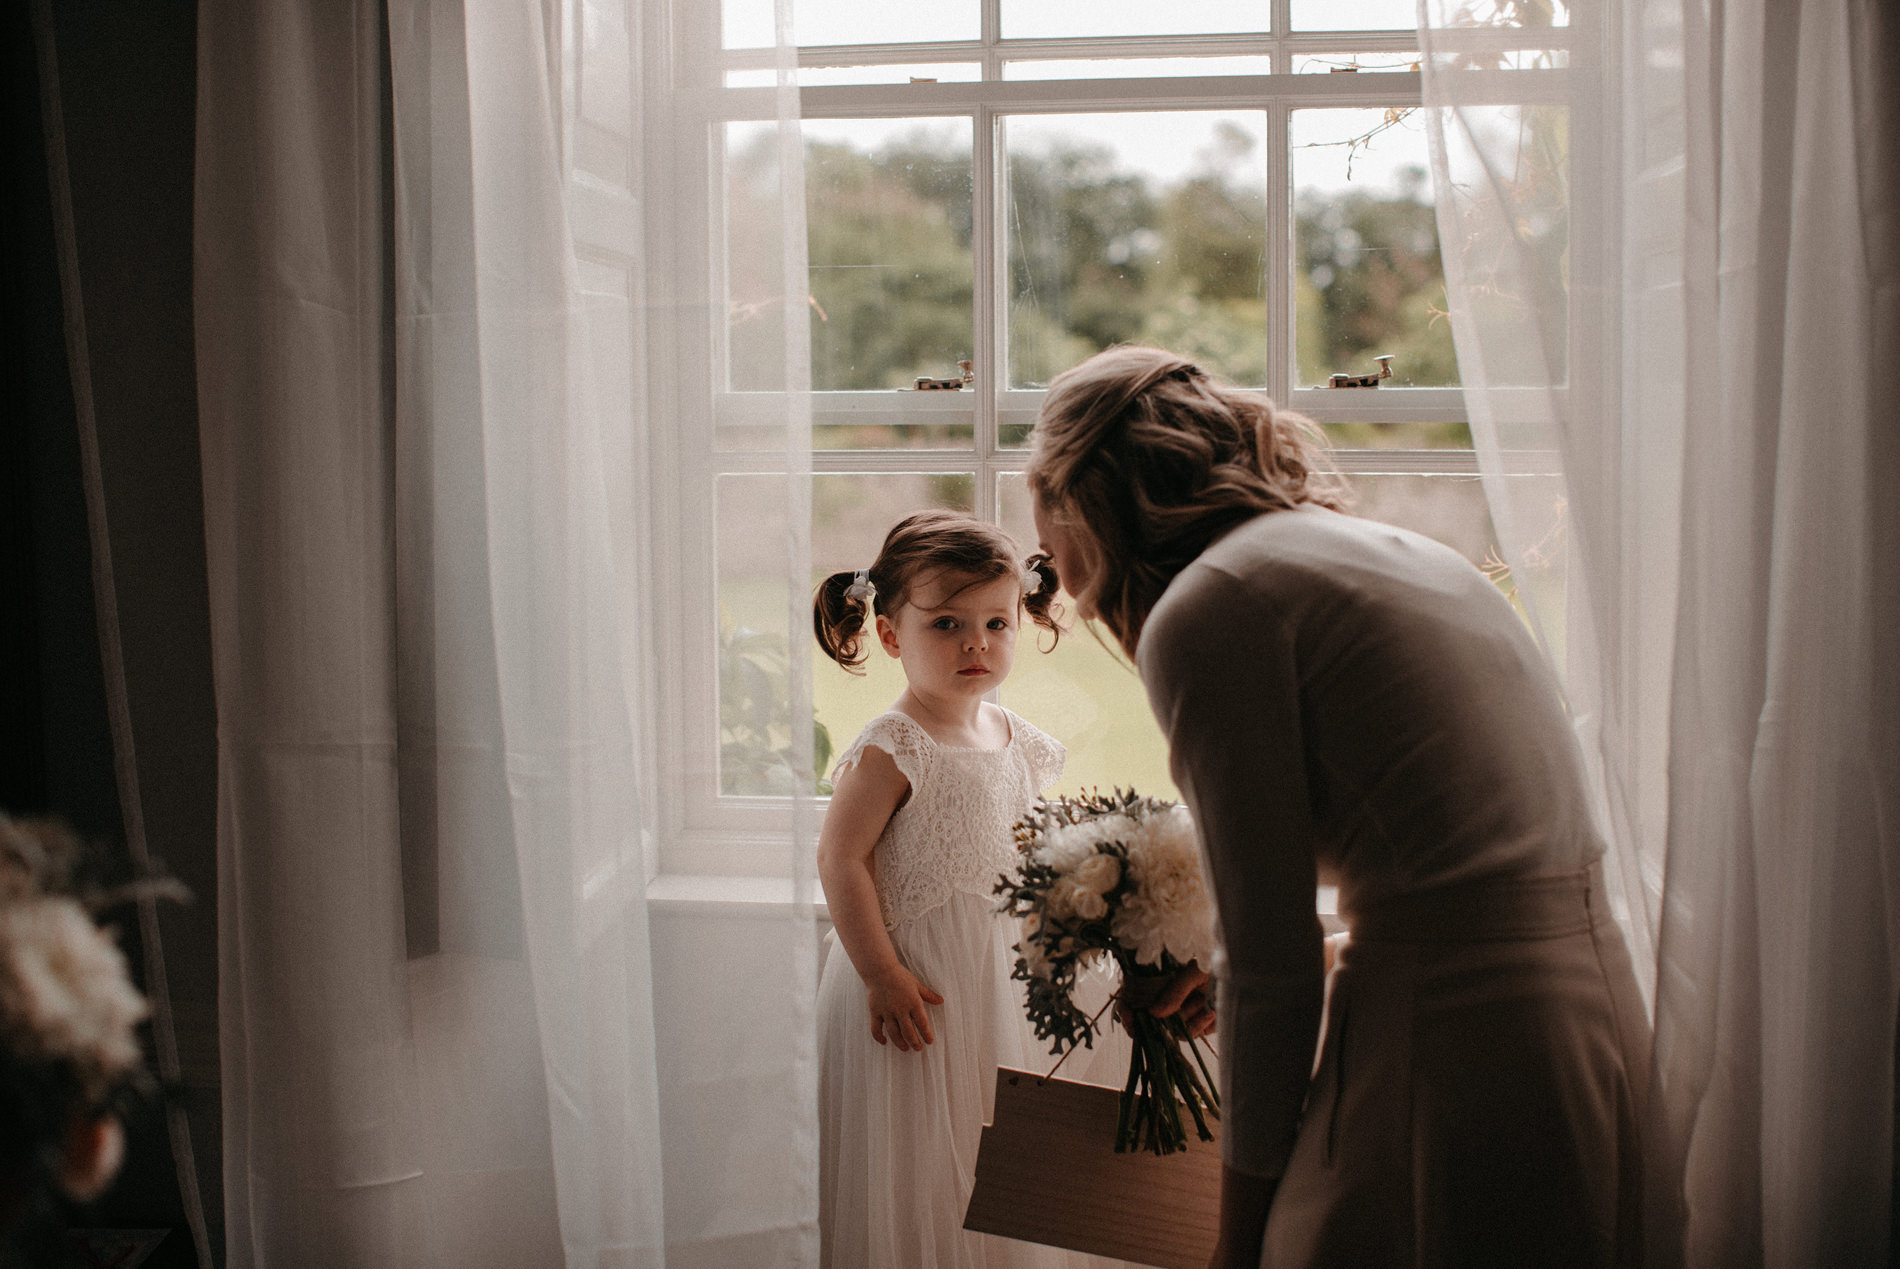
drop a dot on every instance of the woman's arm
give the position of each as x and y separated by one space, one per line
865 796
1219 661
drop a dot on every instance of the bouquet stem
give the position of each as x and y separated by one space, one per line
1161 1079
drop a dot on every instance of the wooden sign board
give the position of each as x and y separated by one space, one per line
1047 1172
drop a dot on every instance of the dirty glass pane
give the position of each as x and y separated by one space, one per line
1368 281
888 216
1142 227
1355 15
749 23
888 219
1137 67
1056 19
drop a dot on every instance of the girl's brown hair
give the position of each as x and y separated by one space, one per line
1146 460
919 544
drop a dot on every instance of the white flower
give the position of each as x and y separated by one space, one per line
1072 896
64 992
1099 873
1065 848
1169 908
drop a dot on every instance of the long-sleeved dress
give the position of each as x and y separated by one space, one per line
1352 703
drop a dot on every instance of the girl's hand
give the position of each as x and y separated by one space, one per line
897 1010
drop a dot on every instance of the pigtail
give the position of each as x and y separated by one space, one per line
1040 603
839 618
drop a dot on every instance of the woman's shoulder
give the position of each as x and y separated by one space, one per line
1290 562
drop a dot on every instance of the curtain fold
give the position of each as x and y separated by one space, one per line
451 1034
1672 285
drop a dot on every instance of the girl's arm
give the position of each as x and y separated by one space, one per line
862 802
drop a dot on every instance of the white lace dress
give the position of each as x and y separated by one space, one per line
898 1131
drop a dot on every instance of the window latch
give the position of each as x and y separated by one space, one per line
926 384
1346 381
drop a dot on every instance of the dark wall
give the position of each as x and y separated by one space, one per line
125 103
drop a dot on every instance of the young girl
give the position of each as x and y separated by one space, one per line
916 1008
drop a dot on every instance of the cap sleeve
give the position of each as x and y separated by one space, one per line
898 735
1045 753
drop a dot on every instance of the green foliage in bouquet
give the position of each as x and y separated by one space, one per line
1117 875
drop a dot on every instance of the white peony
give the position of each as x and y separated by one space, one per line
1169 908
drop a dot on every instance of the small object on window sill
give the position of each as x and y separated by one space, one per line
1364 381
926 384
923 79
1343 70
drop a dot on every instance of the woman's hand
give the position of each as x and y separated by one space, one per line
1184 994
896 1000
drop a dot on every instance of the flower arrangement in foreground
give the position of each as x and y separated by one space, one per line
1117 875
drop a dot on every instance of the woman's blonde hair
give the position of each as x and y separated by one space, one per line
1146 460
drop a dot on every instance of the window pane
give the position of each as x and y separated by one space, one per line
1056 19
755 261
1514 161
887 206
1081 693
1145 228
754 633
850 516
748 23
1367 276
1363 435
1355 15
1450 509
1137 67
1402 15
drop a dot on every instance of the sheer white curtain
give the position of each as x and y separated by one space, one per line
1675 388
451 1035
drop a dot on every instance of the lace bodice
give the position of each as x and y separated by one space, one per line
953 834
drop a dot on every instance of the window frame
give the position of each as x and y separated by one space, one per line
710 832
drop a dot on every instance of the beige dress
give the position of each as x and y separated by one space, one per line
1350 703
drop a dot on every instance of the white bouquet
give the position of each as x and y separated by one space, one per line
1119 876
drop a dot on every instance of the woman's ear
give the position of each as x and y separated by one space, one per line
887 634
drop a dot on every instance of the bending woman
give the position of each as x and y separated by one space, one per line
1350 703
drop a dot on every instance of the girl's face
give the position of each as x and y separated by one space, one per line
1065 548
956 637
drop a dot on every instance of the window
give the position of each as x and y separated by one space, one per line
1015 184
